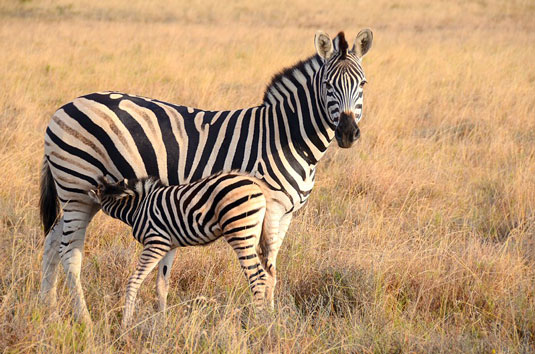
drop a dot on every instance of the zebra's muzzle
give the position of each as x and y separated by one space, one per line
347 131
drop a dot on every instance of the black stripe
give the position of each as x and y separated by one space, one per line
239 154
283 138
240 216
229 134
74 173
193 137
213 131
102 136
171 146
77 152
69 189
220 195
235 204
144 146
232 239
255 142
250 256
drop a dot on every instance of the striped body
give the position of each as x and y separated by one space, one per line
119 136
124 136
190 214
165 217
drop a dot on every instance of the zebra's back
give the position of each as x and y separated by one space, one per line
124 136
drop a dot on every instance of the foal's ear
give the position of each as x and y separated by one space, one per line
363 42
324 45
94 195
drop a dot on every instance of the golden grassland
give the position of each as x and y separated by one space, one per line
420 238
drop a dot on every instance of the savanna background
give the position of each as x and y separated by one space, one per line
419 238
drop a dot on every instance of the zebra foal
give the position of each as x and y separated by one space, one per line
163 218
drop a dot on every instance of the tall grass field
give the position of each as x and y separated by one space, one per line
420 238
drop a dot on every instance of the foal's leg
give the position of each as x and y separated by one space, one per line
150 256
162 281
273 242
244 243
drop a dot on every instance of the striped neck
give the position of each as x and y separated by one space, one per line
125 201
294 100
123 209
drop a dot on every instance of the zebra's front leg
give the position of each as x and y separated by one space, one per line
162 281
273 243
150 256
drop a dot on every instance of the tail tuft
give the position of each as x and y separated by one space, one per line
48 201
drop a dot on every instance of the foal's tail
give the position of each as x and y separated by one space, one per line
48 200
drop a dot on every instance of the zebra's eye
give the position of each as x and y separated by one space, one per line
328 85
363 82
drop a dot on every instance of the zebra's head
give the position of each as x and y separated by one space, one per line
109 194
342 81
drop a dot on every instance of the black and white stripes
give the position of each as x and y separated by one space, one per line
124 136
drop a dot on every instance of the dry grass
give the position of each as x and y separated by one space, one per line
426 242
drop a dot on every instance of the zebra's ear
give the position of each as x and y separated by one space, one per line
324 45
125 194
93 194
363 42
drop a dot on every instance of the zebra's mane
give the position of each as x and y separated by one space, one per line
300 66
343 45
287 72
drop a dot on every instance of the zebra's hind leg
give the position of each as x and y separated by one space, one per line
244 243
76 217
162 281
273 243
49 266
150 256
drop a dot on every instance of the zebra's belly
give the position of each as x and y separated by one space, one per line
193 236
192 240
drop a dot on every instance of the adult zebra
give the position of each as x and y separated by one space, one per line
123 136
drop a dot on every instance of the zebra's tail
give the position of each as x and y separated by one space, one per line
48 200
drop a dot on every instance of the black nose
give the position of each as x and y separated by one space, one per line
338 134
347 131
356 134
